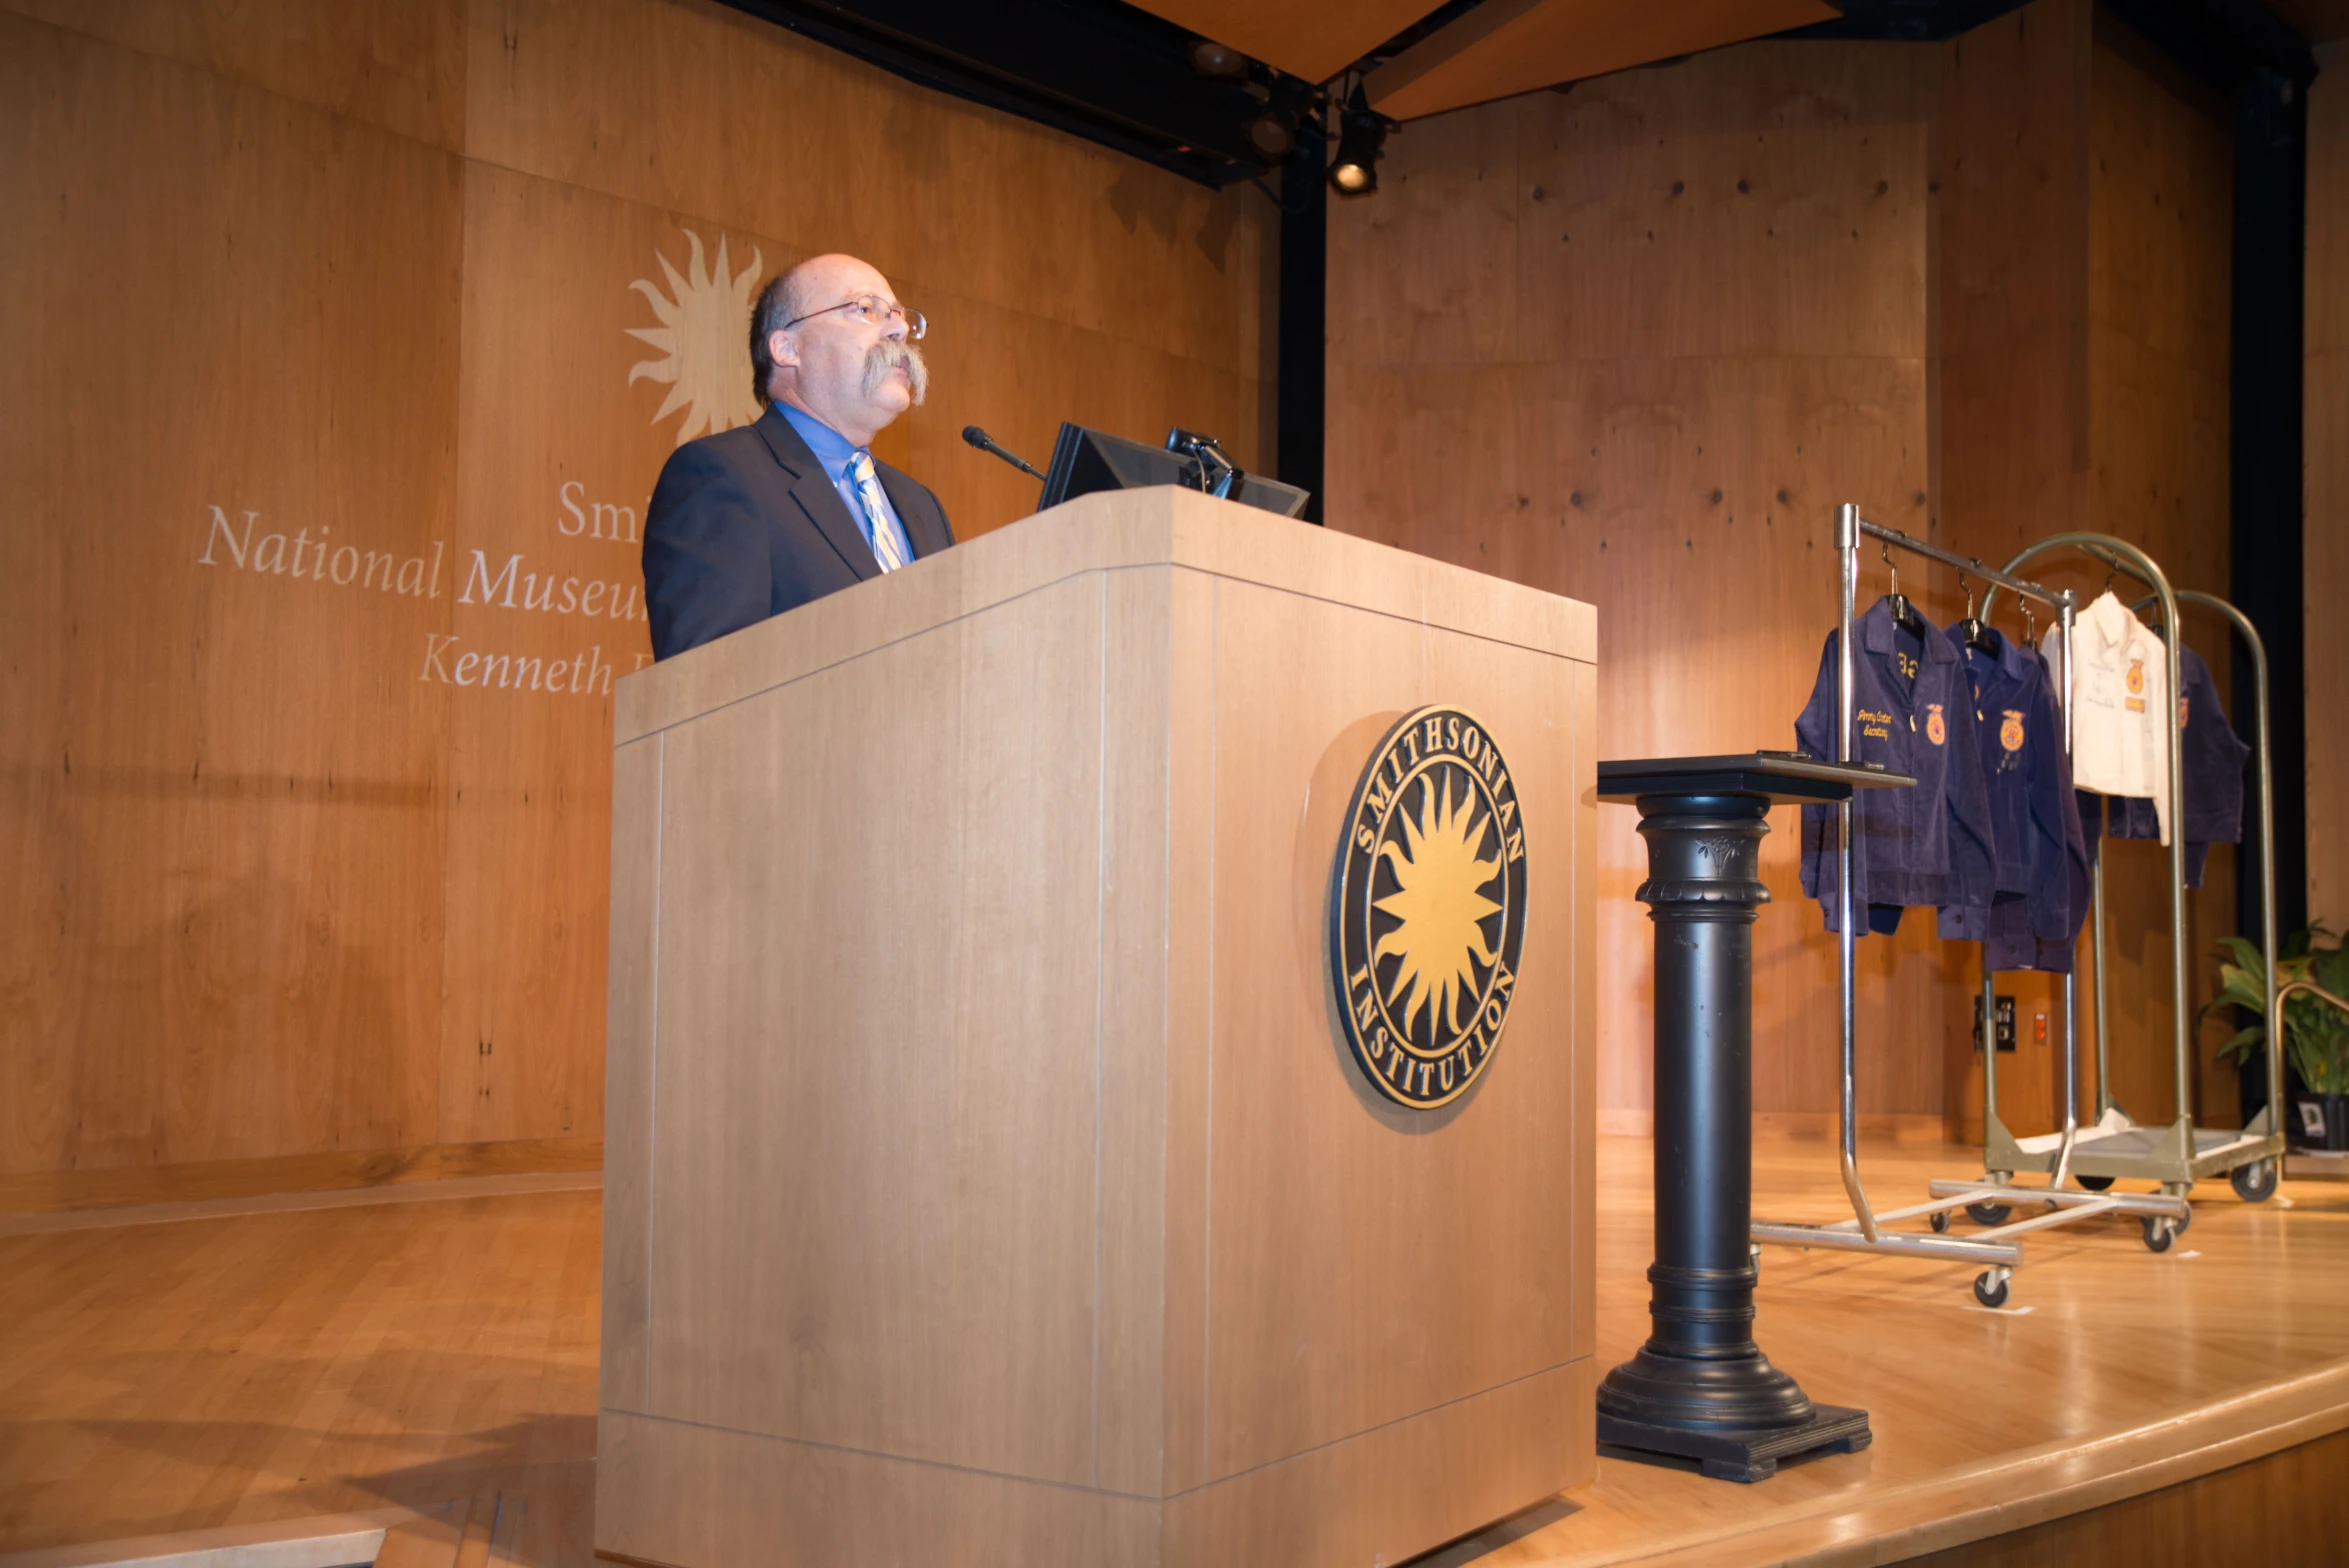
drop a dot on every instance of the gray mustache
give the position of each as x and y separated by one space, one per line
886 356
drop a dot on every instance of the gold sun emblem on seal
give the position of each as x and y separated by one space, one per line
1428 917
1439 905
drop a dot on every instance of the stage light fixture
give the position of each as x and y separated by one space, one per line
1362 136
1220 61
1273 133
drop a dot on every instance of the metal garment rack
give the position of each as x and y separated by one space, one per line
1996 1249
2115 1147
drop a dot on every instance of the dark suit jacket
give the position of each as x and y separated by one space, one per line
744 525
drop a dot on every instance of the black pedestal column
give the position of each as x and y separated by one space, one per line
1700 1388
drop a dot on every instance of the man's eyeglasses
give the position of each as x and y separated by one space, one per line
872 307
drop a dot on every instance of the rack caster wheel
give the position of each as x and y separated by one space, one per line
2254 1183
1988 1213
1990 1287
2095 1183
2160 1231
1940 1221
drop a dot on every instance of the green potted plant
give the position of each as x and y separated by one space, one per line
2316 1033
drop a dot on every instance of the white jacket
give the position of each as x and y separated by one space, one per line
2120 723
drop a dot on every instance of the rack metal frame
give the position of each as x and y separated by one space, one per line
2116 1148
1996 1248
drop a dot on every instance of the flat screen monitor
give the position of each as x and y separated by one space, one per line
1084 461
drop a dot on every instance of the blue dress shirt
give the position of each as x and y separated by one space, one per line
835 451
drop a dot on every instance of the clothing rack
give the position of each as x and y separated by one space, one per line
2243 628
1996 1248
2115 1147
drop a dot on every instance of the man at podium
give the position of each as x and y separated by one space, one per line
751 522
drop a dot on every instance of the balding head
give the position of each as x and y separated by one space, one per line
813 346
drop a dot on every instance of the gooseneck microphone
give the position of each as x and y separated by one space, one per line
986 443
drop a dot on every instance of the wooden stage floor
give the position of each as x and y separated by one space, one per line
238 1377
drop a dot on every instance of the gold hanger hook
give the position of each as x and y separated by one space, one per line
1885 545
1969 588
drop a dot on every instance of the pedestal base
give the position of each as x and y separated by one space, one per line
1743 1456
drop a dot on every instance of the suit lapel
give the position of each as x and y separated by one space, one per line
812 489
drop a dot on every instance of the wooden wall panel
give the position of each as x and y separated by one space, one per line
2010 288
2325 526
2010 377
2010 173
2160 245
296 881
693 107
2084 235
399 68
552 489
227 797
1633 344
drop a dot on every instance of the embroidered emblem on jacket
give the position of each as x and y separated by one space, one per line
1935 730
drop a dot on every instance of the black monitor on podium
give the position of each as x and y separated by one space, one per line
1084 461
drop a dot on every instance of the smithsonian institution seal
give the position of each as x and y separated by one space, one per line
1428 915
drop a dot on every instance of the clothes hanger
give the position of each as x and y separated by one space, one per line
1976 632
1904 614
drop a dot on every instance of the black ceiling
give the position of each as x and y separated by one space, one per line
1096 68
1121 77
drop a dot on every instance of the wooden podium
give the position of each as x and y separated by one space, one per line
988 1178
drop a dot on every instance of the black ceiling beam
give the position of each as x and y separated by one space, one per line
2217 39
2221 41
1097 69
1906 21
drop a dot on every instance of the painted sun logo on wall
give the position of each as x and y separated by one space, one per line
704 331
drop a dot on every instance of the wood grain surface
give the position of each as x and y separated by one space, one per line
2325 520
1633 345
238 1371
173 1379
2084 238
91 1193
1516 46
365 276
947 1209
1314 39
1636 342
2287 1504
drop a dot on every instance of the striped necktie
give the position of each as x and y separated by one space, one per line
878 533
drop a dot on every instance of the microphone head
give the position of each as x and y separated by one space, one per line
975 436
